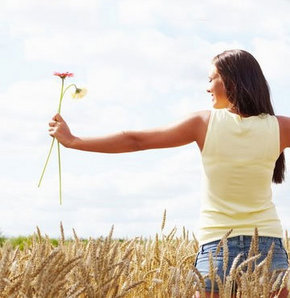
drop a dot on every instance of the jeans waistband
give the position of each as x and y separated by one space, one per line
261 239
244 240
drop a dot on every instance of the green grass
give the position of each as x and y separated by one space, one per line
23 241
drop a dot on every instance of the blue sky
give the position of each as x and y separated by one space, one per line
145 64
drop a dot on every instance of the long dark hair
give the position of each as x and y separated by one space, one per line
248 91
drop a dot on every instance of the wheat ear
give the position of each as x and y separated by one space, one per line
163 220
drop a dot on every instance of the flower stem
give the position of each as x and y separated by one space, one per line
68 88
58 147
59 172
61 96
46 162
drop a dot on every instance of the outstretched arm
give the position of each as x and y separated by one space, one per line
178 134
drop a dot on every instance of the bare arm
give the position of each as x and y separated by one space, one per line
178 134
284 124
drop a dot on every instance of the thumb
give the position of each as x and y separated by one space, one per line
57 117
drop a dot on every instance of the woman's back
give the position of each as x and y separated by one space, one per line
239 156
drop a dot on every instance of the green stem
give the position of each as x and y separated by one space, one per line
61 96
58 147
46 162
62 92
59 172
68 88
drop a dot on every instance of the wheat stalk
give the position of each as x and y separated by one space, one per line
163 220
139 267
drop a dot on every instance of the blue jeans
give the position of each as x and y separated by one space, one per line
239 245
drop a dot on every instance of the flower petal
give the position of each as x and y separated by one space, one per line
63 75
79 93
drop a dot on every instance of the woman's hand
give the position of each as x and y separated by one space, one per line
60 130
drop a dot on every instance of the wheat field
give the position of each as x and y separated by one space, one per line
107 267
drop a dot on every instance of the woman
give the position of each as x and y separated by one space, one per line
241 144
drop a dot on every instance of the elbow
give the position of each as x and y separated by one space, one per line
134 141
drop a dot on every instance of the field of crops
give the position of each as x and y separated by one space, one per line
106 267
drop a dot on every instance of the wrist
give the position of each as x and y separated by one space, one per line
73 143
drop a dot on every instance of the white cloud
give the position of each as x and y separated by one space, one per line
144 63
33 17
223 17
119 197
274 55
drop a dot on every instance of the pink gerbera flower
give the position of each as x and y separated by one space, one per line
77 94
63 75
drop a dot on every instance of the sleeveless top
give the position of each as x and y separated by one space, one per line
238 157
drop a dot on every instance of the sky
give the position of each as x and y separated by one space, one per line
145 64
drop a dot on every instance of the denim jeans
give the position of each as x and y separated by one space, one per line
240 245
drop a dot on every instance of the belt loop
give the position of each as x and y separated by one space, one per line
281 242
241 241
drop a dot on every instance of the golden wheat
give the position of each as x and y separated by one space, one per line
106 267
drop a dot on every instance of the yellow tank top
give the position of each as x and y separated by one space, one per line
238 157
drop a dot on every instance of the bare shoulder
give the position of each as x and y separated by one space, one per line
202 117
193 125
284 124
283 120
205 114
199 120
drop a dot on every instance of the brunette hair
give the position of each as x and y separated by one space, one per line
248 91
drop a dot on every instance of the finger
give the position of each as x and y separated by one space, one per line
57 117
52 123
